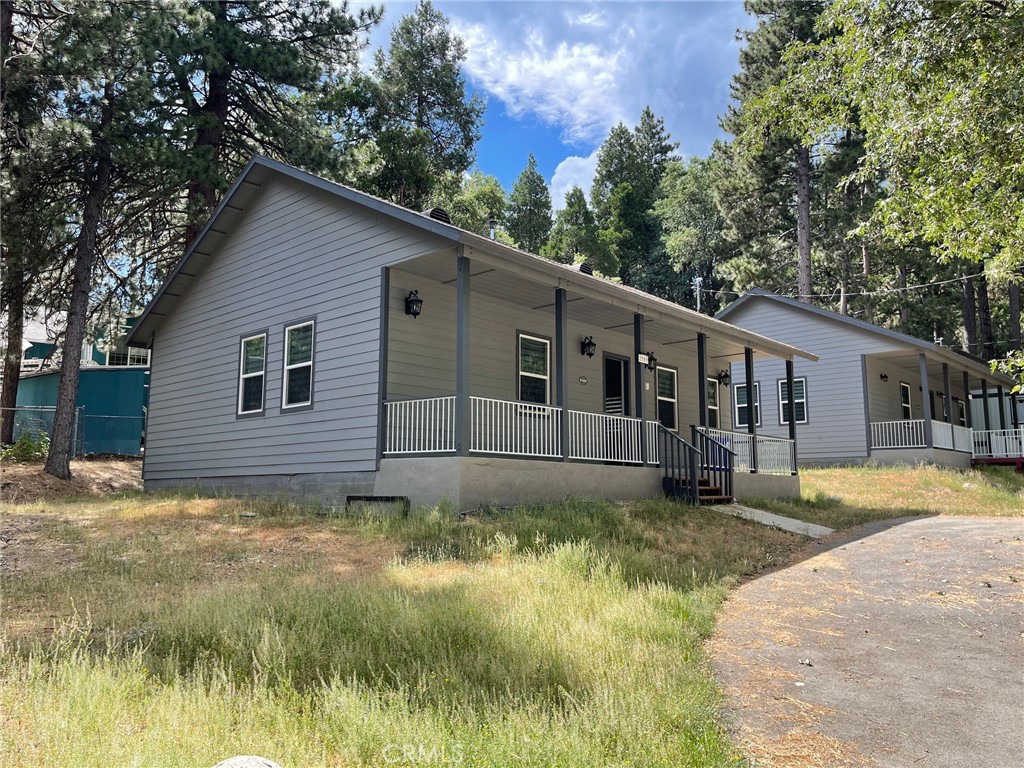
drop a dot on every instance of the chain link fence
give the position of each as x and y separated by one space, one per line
93 435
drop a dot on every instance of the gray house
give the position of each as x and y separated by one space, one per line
874 393
315 340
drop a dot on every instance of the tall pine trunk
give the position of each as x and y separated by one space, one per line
1015 335
803 223
58 461
970 313
988 343
14 299
901 278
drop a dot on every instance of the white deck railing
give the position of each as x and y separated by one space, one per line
420 426
963 439
905 433
515 429
600 437
942 435
652 442
999 443
775 455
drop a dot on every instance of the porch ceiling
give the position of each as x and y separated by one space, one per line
906 364
525 290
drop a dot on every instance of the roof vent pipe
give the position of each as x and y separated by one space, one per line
492 223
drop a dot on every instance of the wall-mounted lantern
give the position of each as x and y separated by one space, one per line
588 346
652 361
413 304
724 378
884 376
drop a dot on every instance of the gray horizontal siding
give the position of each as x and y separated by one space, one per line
835 391
421 361
295 253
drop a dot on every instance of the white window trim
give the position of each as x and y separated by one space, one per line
736 403
909 405
717 407
519 366
674 399
242 376
961 411
783 403
288 368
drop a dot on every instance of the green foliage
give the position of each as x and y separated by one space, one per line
30 446
423 122
528 220
574 237
471 200
934 87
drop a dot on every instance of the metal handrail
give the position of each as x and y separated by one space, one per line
719 460
679 462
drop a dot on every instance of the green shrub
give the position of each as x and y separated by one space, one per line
30 446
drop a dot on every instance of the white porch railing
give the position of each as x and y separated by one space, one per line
652 442
513 428
419 426
942 435
775 455
905 433
600 437
999 443
963 439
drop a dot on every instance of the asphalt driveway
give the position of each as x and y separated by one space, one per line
899 644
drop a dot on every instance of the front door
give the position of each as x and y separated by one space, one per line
616 386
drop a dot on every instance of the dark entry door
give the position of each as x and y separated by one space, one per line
616 386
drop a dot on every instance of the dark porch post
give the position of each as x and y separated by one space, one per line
1013 411
792 408
926 401
748 365
638 381
967 400
562 368
1000 406
462 405
947 405
382 365
984 404
702 379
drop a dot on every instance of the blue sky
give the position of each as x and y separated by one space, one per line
558 75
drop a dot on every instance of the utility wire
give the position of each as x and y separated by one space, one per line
866 293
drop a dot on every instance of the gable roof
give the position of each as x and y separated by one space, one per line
946 354
260 169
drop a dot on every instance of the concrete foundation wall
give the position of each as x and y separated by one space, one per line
477 481
938 456
326 488
747 486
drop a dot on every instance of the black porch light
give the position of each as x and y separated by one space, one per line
884 376
588 346
413 304
652 361
724 378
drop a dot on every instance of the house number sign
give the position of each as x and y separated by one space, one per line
583 379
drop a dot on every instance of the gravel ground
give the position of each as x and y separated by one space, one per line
900 643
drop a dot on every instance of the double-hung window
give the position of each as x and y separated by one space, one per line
667 398
961 412
252 374
297 388
799 400
534 369
712 398
742 407
906 410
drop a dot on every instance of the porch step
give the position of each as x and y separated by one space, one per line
707 494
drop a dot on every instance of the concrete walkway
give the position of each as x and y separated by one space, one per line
896 645
776 521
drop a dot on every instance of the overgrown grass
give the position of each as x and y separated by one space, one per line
840 497
189 630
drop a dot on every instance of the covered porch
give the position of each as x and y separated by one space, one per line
948 410
515 362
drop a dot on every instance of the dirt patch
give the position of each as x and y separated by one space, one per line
27 483
888 646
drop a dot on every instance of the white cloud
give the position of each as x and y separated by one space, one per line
572 172
573 85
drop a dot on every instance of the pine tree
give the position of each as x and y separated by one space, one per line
574 237
529 209
766 193
472 201
424 124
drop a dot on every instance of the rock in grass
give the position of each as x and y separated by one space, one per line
247 761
